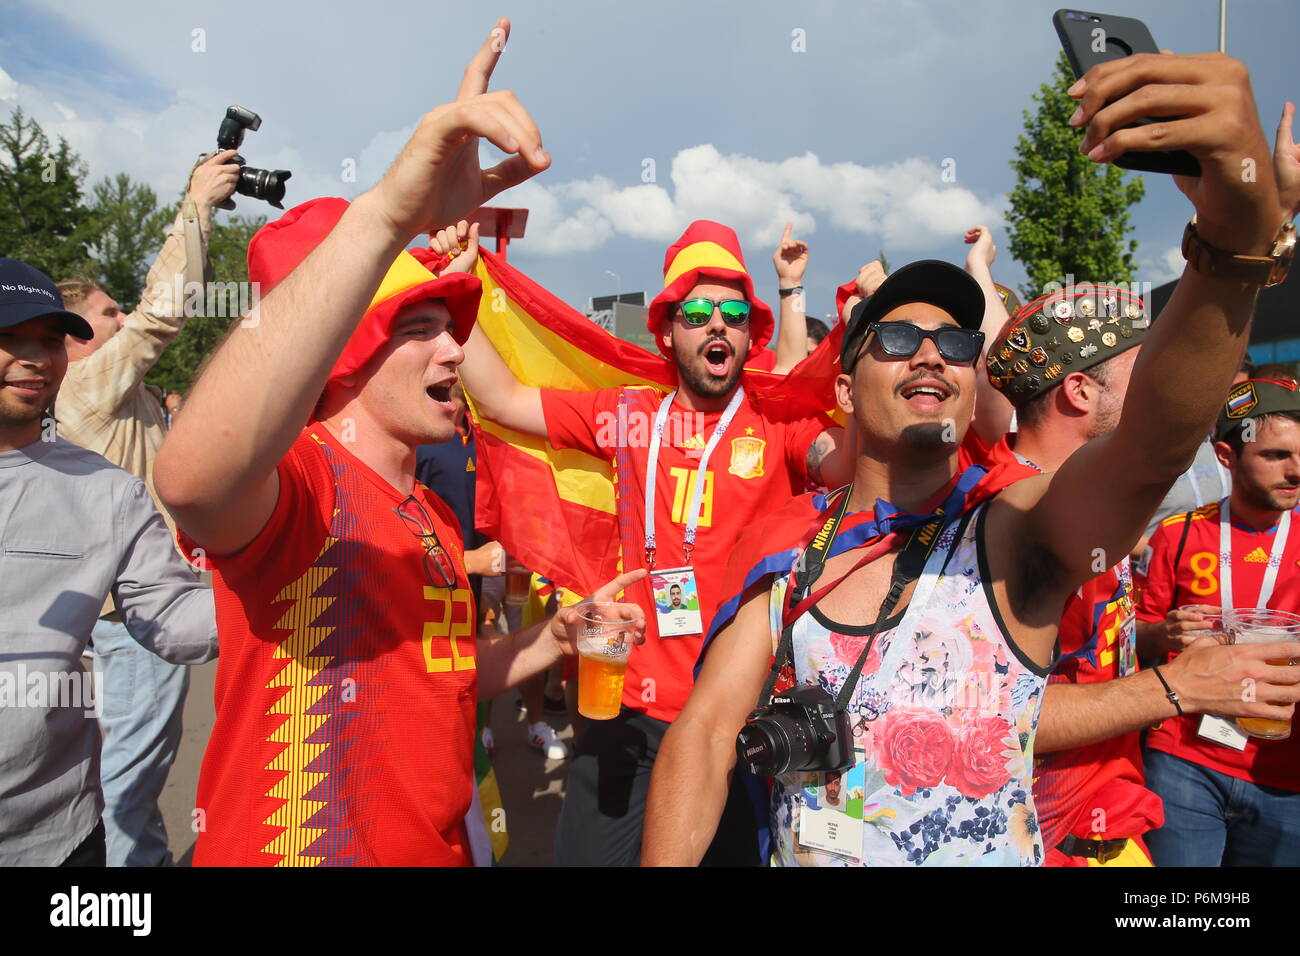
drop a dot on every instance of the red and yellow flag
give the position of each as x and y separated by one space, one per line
554 509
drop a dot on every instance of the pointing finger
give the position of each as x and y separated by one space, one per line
479 70
1284 133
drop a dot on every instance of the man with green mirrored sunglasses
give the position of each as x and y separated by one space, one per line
689 493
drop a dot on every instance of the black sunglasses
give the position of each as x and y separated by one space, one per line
438 566
903 339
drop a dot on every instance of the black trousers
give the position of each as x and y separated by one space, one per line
93 850
605 797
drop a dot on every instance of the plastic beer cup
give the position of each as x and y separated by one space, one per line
518 578
602 658
1263 626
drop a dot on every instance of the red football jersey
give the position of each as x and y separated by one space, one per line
346 684
1195 580
1096 790
759 463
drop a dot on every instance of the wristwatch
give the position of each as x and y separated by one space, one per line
1259 270
786 293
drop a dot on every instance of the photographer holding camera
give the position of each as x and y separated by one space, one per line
105 406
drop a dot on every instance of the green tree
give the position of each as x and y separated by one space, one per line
228 259
42 219
1069 215
129 231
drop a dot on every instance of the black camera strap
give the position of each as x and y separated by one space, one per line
907 568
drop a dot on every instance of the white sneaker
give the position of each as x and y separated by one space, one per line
541 736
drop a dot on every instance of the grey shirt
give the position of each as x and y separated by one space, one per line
74 529
1205 482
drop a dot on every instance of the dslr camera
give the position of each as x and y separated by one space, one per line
800 729
265 184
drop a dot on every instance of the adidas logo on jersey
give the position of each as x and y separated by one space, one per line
1258 556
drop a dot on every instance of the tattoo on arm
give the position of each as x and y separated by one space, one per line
822 446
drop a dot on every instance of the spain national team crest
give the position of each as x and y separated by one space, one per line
1241 400
747 457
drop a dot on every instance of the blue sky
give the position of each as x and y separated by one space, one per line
847 137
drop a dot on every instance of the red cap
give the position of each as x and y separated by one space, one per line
278 248
708 249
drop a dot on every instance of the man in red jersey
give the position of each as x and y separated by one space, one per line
349 671
700 463
1230 799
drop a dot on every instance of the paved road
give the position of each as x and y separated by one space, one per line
532 787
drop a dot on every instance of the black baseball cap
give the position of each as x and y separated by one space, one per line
27 293
932 281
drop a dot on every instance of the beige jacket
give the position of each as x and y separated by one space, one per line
104 404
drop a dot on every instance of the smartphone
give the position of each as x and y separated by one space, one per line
1092 38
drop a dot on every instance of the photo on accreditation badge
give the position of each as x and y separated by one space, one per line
831 816
677 601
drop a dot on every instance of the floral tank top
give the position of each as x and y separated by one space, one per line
943 719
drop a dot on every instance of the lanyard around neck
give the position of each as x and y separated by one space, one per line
697 498
1225 557
908 566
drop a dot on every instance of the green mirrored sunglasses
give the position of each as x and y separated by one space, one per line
700 311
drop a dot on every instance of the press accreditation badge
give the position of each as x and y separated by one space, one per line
1126 647
1222 731
677 602
830 815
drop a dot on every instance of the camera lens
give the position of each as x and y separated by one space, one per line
776 744
267 184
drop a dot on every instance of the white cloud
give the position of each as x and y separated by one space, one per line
8 86
906 203
1164 267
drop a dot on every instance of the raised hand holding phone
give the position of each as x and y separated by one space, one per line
1217 122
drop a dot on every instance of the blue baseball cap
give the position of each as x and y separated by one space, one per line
27 293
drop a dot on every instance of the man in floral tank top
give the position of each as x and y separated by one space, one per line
944 724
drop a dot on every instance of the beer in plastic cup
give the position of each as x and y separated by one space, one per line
602 659
1252 626
518 579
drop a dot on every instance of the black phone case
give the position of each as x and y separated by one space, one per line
1123 36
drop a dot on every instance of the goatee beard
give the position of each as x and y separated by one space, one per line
704 384
928 436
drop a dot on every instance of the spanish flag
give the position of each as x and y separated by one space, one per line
554 510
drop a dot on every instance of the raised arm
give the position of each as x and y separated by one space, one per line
1096 506
216 470
105 377
1286 164
992 410
692 772
497 394
790 261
